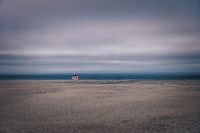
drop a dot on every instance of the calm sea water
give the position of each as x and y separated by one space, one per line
105 76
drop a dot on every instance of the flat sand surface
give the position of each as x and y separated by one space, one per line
128 106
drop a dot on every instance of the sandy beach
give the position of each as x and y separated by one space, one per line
128 106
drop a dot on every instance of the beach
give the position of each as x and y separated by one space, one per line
99 106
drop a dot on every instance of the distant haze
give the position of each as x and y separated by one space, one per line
99 35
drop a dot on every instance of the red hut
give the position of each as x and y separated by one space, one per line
75 77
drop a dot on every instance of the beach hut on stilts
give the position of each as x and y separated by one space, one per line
75 77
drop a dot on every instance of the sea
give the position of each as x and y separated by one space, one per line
103 76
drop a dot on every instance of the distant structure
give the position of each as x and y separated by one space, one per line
75 77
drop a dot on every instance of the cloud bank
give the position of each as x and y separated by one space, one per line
91 35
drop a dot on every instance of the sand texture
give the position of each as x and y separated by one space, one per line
136 106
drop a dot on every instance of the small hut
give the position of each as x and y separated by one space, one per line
75 77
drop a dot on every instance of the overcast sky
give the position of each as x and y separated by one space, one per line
38 36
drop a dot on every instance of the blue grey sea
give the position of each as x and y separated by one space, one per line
104 76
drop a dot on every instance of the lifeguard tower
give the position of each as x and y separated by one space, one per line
75 77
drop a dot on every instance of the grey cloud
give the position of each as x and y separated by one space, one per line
101 59
86 36
93 34
28 9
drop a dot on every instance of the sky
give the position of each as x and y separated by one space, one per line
53 36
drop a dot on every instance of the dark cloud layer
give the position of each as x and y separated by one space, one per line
93 35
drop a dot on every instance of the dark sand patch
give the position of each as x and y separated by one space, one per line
99 106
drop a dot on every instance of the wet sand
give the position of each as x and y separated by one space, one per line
136 106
